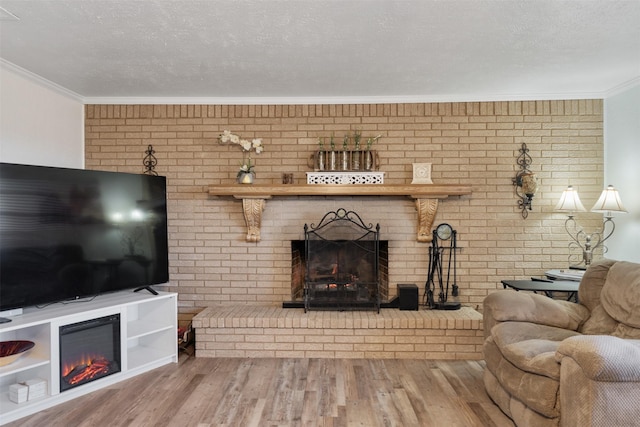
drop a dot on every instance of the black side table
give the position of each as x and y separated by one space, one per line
547 288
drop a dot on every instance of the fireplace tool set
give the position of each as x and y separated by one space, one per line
442 259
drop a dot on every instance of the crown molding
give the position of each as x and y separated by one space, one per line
408 99
623 87
34 78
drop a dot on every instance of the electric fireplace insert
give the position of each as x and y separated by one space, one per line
89 350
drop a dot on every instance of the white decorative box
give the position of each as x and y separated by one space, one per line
345 177
422 173
37 388
18 393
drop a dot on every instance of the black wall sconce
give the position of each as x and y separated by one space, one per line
150 161
525 181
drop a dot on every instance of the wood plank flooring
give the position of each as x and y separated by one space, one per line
204 392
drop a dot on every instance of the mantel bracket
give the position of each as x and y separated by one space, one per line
427 209
252 208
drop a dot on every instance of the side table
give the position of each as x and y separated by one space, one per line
547 288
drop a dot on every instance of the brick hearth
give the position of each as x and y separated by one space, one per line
268 331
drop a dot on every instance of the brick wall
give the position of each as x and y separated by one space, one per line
467 143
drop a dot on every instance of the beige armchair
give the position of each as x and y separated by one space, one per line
559 363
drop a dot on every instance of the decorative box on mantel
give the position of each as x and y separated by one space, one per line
345 177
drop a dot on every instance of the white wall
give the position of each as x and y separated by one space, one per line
39 125
622 154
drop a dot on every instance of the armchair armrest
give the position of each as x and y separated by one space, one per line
509 305
603 357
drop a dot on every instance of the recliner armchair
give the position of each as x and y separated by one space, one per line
558 363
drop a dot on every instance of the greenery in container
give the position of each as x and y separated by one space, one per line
357 135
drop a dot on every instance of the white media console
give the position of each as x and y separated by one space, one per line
148 334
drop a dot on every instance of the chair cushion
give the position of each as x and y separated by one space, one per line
531 347
535 356
621 293
509 305
627 332
592 283
599 323
538 392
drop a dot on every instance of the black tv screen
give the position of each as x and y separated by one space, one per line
72 233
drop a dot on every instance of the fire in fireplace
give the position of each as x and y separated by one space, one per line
338 270
89 351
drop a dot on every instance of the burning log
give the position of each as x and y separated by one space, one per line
83 373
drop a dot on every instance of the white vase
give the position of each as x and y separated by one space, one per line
246 177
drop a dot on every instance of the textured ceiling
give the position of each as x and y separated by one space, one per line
322 49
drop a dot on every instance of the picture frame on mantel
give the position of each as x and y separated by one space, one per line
422 173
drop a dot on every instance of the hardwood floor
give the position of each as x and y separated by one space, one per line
204 392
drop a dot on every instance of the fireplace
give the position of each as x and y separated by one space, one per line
89 351
339 264
299 265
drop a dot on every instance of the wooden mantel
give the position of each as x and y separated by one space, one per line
254 198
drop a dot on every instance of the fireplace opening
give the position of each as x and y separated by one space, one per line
89 350
338 266
299 266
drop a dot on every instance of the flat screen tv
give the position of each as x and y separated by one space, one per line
68 234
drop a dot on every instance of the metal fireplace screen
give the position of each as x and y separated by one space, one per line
342 263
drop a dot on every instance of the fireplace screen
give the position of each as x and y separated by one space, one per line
89 350
342 263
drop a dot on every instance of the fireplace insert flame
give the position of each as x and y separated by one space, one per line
89 351
88 369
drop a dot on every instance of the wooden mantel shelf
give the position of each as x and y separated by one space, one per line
412 190
254 198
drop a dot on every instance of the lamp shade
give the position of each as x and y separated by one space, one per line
570 202
609 201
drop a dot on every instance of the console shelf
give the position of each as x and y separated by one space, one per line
148 326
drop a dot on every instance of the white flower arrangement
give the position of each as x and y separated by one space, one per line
246 146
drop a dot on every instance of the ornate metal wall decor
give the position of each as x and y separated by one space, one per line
525 181
150 161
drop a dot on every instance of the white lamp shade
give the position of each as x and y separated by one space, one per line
609 201
570 202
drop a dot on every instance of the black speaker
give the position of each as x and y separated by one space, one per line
408 296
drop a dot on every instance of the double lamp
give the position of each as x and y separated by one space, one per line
608 203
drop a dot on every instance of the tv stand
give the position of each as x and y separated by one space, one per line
148 328
148 288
